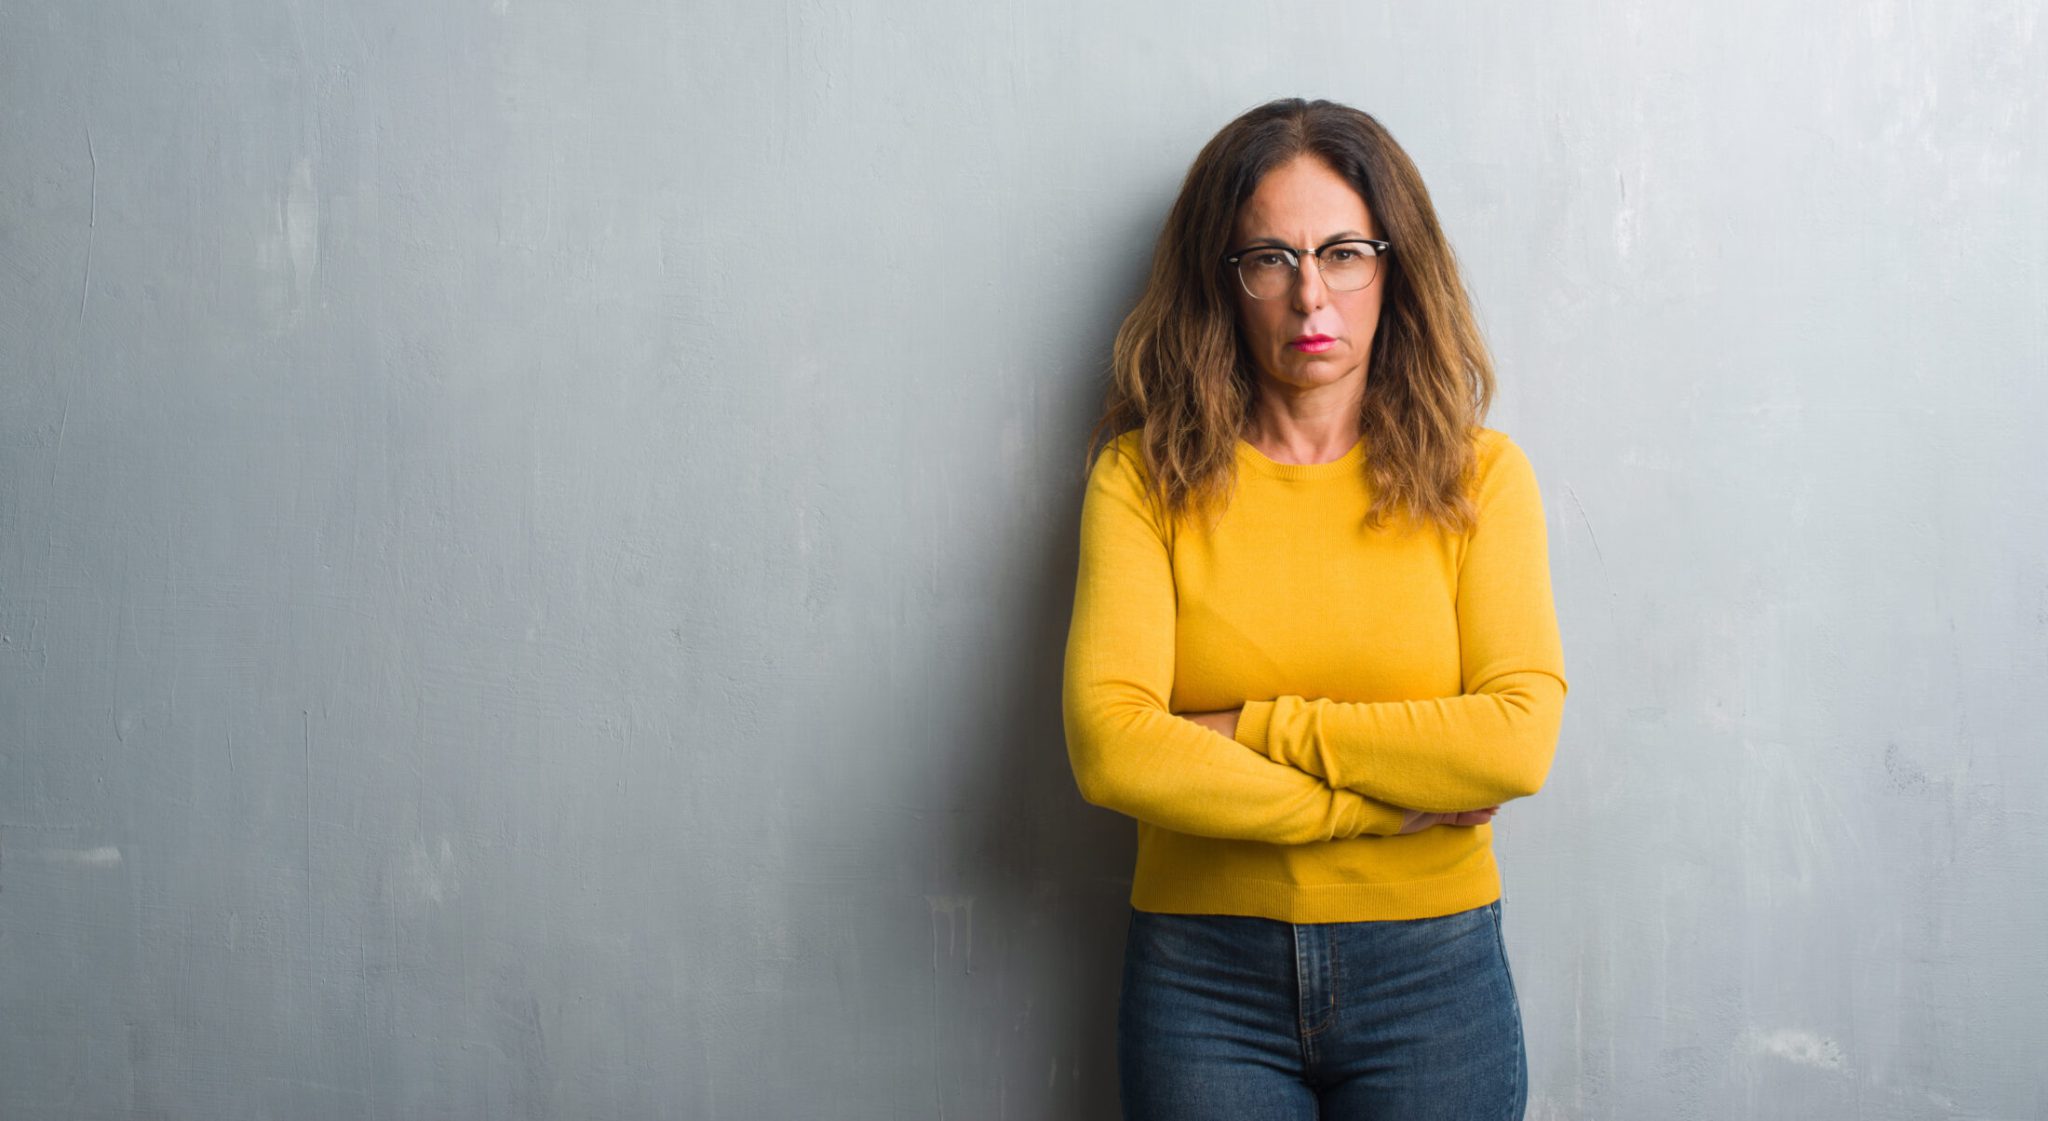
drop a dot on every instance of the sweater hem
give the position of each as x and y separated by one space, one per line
1283 901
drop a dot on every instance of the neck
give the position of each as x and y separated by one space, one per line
1291 425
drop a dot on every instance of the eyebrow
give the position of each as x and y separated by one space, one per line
1340 235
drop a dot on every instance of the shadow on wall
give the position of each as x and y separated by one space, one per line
1029 925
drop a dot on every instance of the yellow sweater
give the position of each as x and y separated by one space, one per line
1378 670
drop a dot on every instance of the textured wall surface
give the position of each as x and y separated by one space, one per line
535 540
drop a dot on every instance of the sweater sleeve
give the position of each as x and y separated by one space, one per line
1496 740
1129 752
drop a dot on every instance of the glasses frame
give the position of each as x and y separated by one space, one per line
1294 256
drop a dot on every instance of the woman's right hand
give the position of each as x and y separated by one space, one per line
1418 820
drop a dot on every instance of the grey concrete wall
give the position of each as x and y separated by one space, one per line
535 540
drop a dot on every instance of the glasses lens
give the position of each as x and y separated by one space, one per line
1348 266
1266 272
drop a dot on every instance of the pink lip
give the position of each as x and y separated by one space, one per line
1312 344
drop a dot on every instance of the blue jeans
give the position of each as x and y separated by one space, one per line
1227 1016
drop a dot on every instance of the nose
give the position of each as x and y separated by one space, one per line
1309 291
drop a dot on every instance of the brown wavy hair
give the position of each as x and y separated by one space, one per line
1181 375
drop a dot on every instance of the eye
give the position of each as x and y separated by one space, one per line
1267 259
1341 254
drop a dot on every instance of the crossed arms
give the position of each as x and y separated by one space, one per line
1294 769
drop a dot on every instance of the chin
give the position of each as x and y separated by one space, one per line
1314 372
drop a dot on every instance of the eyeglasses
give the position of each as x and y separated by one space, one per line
1270 271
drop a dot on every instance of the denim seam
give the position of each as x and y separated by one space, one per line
1303 1036
1514 998
1500 940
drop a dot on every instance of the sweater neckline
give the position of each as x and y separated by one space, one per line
1256 460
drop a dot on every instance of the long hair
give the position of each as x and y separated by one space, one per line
1182 377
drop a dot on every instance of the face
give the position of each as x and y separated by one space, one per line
1304 204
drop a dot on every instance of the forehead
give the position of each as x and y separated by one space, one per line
1301 202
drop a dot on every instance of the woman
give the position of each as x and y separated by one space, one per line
1313 646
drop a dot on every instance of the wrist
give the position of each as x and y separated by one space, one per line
1253 721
